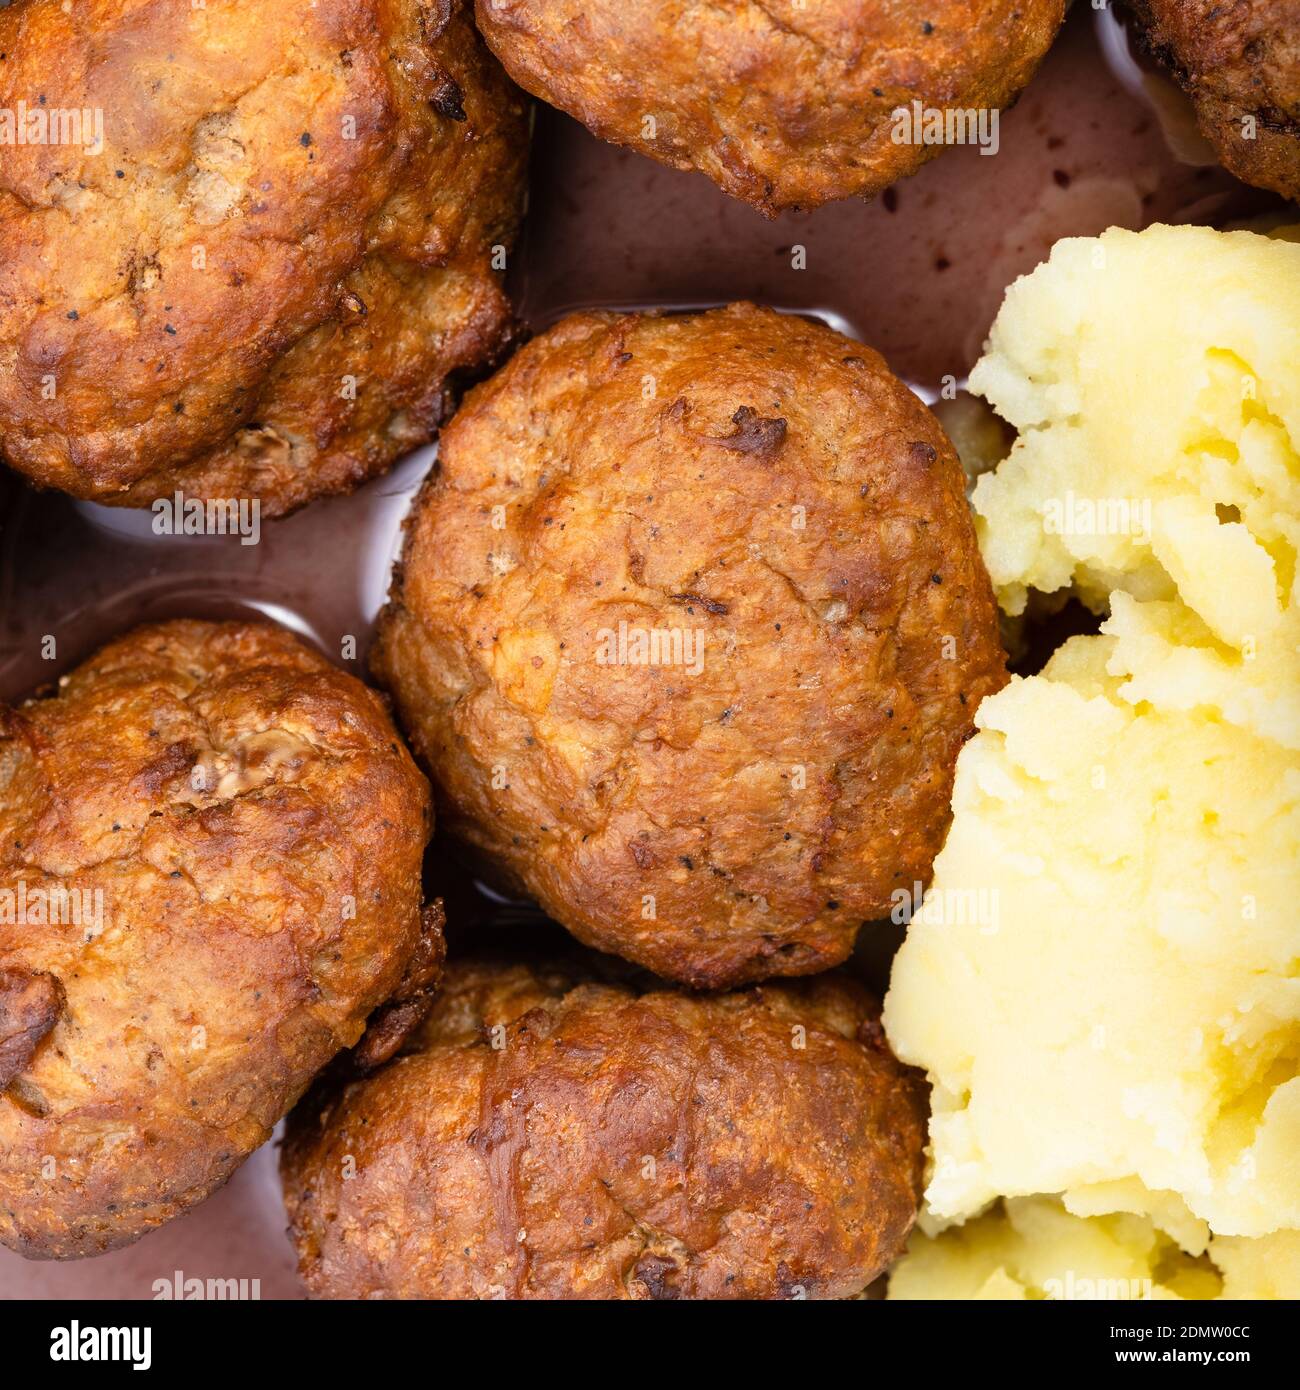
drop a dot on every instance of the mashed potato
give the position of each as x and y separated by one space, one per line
1104 981
1033 1248
1154 378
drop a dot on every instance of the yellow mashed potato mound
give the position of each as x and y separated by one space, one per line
1154 378
1032 1248
1103 982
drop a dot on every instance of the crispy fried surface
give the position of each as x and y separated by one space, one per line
264 284
780 103
1239 61
239 835
550 1137
784 502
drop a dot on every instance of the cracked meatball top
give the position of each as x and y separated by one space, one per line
781 103
254 251
690 625
1240 63
210 853
553 1134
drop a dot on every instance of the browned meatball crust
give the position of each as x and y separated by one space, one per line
210 852
265 281
1239 61
555 1138
780 103
690 626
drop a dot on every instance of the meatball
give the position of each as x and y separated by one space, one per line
260 257
1240 64
555 1135
210 854
689 628
781 103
